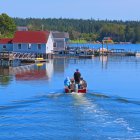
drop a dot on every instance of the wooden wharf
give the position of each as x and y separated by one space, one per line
9 57
14 55
77 53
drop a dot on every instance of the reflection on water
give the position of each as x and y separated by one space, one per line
33 104
33 71
59 65
5 77
104 74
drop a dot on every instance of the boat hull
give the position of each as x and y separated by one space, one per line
79 90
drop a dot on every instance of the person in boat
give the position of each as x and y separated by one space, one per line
67 82
77 76
72 85
83 83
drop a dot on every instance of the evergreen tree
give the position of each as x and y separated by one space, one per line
7 26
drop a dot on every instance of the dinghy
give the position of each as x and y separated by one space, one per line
77 88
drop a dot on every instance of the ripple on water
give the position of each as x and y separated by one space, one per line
59 112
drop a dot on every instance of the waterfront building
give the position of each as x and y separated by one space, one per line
34 42
40 42
60 41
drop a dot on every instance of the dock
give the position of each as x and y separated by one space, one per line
82 53
23 57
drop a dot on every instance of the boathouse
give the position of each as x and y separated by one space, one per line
28 42
40 42
60 41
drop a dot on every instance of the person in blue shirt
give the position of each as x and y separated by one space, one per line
67 82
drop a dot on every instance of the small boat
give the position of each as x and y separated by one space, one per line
81 88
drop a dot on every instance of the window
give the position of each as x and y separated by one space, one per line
29 46
19 46
54 44
4 46
39 46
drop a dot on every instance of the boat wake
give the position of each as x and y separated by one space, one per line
96 107
96 112
29 101
115 98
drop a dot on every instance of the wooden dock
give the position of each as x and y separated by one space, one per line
23 57
74 53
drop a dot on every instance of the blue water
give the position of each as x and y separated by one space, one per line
128 47
33 104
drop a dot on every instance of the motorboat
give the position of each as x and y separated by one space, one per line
78 88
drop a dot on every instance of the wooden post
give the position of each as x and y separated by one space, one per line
107 47
102 47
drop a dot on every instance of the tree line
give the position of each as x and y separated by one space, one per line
79 29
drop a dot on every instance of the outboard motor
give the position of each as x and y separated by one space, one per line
76 88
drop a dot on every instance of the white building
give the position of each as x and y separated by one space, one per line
37 42
40 42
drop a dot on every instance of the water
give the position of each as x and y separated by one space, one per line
128 47
33 104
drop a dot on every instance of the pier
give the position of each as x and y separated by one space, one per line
89 53
9 57
86 52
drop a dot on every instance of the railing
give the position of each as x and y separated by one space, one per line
17 55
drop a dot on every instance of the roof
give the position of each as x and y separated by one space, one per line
31 37
6 41
60 35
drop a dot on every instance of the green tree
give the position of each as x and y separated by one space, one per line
7 26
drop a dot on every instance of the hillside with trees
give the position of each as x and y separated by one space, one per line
79 29
90 30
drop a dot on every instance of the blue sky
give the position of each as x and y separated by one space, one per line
97 9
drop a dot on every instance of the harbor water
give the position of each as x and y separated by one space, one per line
33 105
